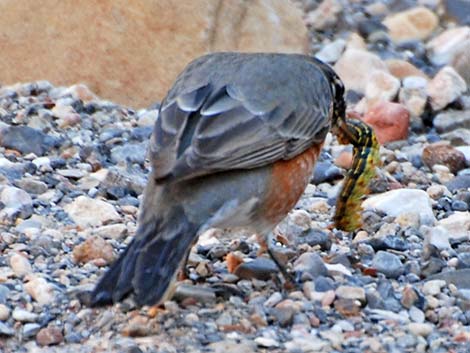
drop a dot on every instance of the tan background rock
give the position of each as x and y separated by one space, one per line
130 52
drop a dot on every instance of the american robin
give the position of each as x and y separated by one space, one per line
234 145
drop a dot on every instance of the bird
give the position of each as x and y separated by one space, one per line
234 145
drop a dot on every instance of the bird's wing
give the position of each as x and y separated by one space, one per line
224 114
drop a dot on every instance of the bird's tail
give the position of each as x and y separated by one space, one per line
148 266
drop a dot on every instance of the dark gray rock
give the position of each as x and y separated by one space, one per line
27 140
309 266
260 268
388 264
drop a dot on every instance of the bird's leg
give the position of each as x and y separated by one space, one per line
184 271
265 245
365 159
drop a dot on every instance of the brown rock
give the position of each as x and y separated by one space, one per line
416 23
130 52
355 66
348 307
94 248
445 87
390 121
409 297
233 261
401 69
138 326
439 153
49 336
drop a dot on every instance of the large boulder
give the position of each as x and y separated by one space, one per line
131 51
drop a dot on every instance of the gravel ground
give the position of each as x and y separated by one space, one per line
72 168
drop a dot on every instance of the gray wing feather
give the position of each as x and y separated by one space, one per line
229 111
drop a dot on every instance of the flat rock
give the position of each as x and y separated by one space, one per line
409 200
26 140
87 212
150 66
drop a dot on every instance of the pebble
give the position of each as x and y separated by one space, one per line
443 47
457 225
6 330
403 70
49 336
30 330
388 264
420 329
87 212
444 154
266 342
324 15
310 265
27 140
381 86
412 24
24 315
349 292
4 312
40 290
274 299
18 203
260 268
433 287
451 119
445 87
94 249
409 201
20 265
330 53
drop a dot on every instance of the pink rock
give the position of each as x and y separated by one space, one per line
390 121
326 14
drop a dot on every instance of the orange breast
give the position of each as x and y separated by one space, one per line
288 182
